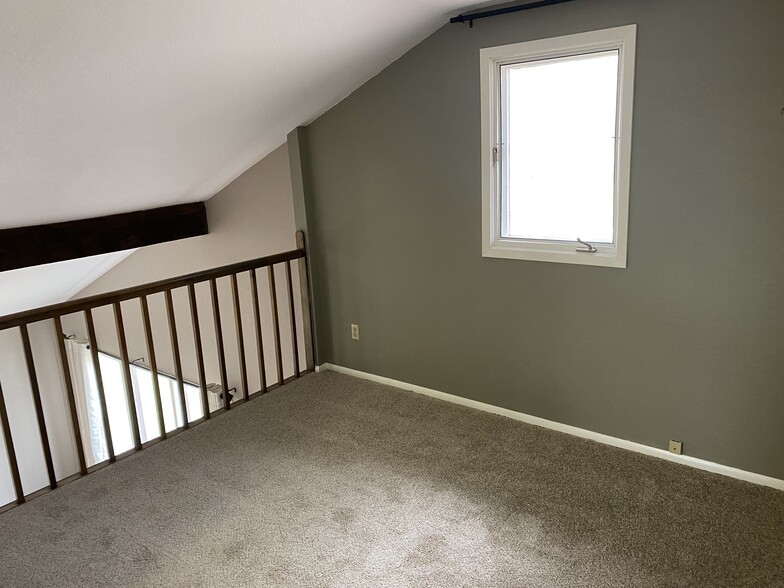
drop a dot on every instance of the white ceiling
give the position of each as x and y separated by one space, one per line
31 287
108 107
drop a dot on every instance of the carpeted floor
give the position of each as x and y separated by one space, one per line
334 481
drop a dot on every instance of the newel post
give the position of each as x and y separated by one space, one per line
307 329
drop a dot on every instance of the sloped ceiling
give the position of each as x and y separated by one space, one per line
42 285
108 107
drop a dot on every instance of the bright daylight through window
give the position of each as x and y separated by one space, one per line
556 121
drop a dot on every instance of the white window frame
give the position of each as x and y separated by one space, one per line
622 39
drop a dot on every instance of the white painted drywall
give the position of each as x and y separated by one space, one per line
41 285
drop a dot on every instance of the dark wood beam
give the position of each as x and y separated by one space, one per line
36 245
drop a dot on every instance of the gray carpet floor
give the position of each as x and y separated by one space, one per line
333 481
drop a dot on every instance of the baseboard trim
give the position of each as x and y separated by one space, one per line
694 462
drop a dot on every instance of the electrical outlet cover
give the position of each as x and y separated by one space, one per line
676 447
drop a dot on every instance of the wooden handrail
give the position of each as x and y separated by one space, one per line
49 312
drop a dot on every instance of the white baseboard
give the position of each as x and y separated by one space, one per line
694 462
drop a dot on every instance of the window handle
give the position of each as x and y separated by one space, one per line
496 152
587 249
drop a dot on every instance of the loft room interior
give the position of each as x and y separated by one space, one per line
392 294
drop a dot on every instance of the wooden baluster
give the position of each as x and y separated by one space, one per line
199 350
9 449
304 293
259 339
275 322
88 317
219 339
69 389
126 371
175 344
156 385
87 305
294 342
39 408
235 295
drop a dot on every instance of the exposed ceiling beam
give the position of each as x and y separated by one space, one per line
36 245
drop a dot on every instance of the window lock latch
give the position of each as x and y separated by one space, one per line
496 152
588 248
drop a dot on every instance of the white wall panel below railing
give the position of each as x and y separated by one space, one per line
19 402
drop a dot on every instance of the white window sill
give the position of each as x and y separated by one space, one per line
511 249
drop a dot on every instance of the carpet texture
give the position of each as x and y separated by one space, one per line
337 482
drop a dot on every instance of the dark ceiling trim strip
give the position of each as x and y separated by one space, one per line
36 245
470 18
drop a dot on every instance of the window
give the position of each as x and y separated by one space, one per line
90 411
556 148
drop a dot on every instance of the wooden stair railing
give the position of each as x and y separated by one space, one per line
86 306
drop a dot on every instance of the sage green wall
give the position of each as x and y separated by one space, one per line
686 343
